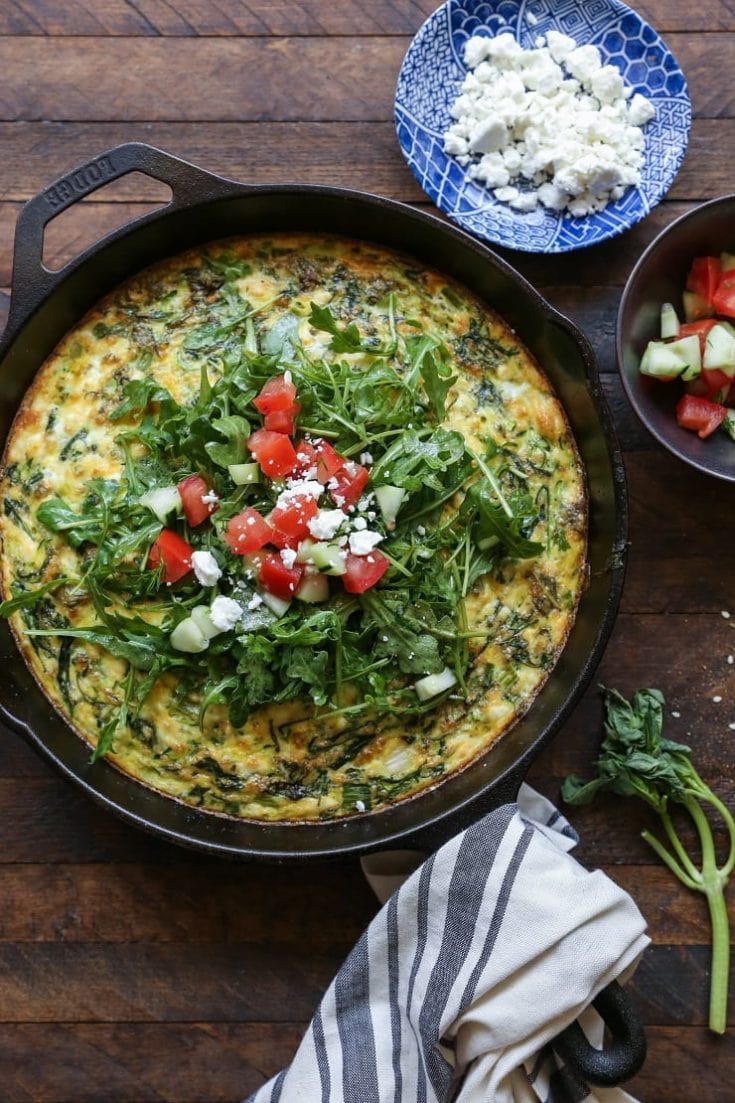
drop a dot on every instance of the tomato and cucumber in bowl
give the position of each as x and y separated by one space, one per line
699 352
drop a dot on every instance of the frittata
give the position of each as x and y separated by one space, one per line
435 578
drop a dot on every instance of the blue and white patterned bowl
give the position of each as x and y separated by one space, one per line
433 71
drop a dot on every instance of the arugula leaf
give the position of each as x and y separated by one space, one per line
140 651
26 599
491 526
282 338
235 430
343 340
418 457
427 358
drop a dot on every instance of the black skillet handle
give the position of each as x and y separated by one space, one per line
621 1057
31 281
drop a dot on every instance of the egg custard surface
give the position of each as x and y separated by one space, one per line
292 528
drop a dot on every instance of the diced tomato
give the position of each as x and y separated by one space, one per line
347 484
328 462
173 551
701 329
290 523
273 451
277 394
703 277
306 455
715 380
192 491
724 296
247 531
699 414
280 421
277 578
363 571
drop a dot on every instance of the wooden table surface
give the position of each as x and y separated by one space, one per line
131 970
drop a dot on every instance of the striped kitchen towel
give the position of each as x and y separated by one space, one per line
478 959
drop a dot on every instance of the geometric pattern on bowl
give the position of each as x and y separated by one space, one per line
433 71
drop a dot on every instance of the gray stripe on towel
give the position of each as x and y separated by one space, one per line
475 857
422 926
352 1011
395 1010
502 902
322 1058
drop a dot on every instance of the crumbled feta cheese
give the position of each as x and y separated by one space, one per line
206 568
288 557
717 700
731 727
724 613
640 110
421 530
225 613
254 602
360 805
287 377
359 523
550 125
296 488
326 523
362 543
730 660
676 715
366 458
210 498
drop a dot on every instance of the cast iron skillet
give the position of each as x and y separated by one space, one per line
45 305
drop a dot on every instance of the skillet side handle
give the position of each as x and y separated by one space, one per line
31 281
621 1058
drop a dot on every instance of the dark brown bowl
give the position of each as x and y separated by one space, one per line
659 277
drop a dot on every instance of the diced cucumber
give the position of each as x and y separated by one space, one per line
164 502
276 605
660 361
202 617
244 473
328 558
728 423
390 500
695 307
313 588
669 322
690 351
727 261
432 684
719 348
188 636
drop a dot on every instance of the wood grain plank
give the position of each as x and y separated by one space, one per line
132 1063
218 1062
212 903
200 902
93 982
220 79
83 982
308 17
686 1056
351 154
202 18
